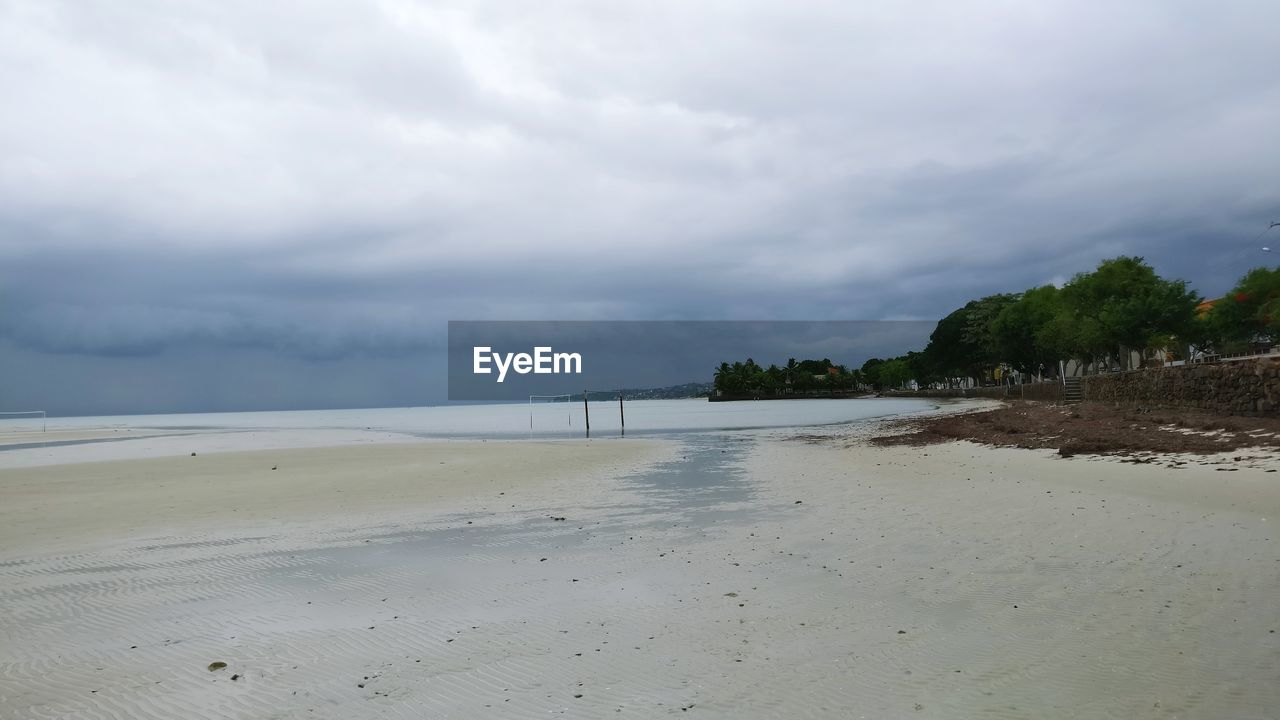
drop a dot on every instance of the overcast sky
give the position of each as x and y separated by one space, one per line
226 204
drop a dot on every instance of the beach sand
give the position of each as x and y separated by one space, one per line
88 504
743 575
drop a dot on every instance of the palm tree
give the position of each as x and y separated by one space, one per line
723 377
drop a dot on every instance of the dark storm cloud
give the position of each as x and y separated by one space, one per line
325 184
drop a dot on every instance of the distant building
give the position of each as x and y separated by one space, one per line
1205 306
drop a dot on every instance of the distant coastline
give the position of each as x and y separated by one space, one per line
836 395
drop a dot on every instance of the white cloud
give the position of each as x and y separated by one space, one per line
648 159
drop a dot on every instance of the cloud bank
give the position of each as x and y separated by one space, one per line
325 184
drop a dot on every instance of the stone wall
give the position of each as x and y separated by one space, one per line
1045 391
1241 387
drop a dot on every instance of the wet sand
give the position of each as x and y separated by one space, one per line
739 575
39 438
87 504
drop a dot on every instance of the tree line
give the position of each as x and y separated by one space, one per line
803 377
1119 316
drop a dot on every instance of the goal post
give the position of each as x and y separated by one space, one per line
547 399
608 397
24 421
571 404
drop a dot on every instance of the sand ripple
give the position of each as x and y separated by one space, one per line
958 587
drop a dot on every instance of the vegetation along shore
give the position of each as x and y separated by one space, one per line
1120 316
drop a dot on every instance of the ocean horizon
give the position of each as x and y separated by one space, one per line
505 420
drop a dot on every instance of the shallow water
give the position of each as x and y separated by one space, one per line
518 420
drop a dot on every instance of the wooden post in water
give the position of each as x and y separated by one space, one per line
586 412
621 415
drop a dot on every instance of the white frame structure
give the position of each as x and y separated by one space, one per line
568 405
44 417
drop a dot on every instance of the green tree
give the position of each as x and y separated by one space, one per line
871 372
1023 331
774 379
1250 313
948 353
723 379
1123 305
979 334
894 373
921 370
816 367
963 344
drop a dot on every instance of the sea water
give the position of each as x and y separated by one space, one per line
518 420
